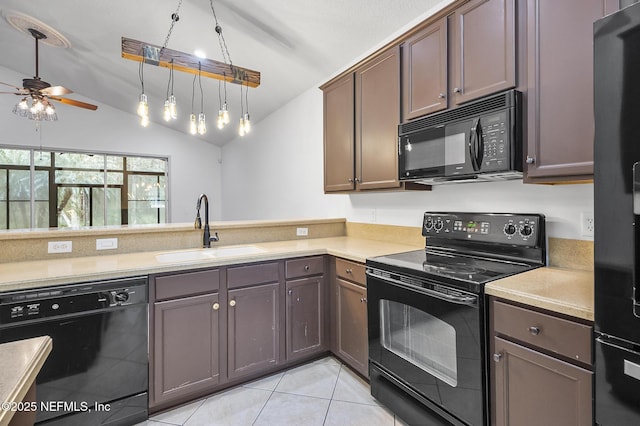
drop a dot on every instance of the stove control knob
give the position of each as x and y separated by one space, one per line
121 297
438 225
428 224
526 230
509 229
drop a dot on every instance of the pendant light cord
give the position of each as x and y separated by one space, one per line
200 83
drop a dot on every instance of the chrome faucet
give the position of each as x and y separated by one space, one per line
206 236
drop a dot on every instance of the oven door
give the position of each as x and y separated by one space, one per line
428 341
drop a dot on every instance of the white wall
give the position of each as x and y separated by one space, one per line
194 164
276 172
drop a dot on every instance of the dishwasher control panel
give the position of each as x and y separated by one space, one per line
30 305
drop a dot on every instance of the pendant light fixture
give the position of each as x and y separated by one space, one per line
193 126
143 105
245 123
174 60
202 124
170 111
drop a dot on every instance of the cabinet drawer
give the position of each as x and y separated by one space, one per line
187 284
243 276
351 271
304 267
564 337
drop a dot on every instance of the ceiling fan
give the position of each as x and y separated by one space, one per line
37 93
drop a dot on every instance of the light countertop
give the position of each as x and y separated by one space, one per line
20 363
39 273
565 291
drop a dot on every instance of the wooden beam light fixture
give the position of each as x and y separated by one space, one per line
161 56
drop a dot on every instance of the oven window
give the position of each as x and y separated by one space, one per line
419 338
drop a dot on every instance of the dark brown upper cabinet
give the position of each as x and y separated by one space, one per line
424 71
361 116
377 109
339 149
560 89
483 49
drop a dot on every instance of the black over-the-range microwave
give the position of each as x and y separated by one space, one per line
479 141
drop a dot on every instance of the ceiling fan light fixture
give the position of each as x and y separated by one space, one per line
21 108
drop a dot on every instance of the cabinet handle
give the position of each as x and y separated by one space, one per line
457 90
232 302
350 180
530 160
306 267
290 292
534 330
357 179
349 271
216 306
363 300
497 357
441 96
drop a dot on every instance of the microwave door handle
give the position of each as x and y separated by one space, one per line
473 145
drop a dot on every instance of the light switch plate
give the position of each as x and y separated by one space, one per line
106 243
302 232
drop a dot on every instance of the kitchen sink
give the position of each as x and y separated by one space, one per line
205 254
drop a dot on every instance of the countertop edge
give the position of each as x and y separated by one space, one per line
32 368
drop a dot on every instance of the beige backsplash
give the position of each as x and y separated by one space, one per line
32 245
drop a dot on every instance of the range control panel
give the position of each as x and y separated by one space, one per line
504 228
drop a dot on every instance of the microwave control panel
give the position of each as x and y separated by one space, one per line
495 141
515 229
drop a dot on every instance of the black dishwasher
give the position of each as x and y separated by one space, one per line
97 372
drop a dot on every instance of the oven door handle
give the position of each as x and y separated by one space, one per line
459 300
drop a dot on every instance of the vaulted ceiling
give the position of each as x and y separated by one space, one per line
295 44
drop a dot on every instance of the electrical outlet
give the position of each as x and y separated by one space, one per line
106 243
302 232
60 246
372 215
587 224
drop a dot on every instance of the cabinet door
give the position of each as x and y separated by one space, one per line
186 357
535 389
560 89
377 117
484 58
339 155
254 329
305 319
352 343
424 64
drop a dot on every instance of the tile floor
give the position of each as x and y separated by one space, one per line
323 392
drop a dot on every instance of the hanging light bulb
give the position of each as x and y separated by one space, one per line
173 107
247 123
170 108
144 121
166 113
241 130
143 106
202 124
193 126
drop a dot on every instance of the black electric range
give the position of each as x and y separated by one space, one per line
468 250
427 318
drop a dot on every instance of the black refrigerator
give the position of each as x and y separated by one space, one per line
617 217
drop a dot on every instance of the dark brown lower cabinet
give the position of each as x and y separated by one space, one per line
351 340
541 367
304 317
185 346
536 389
254 329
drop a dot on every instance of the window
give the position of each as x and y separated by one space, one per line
41 189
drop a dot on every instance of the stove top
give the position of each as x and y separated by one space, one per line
468 250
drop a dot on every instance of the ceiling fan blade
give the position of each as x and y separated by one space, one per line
73 102
56 91
12 86
10 93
